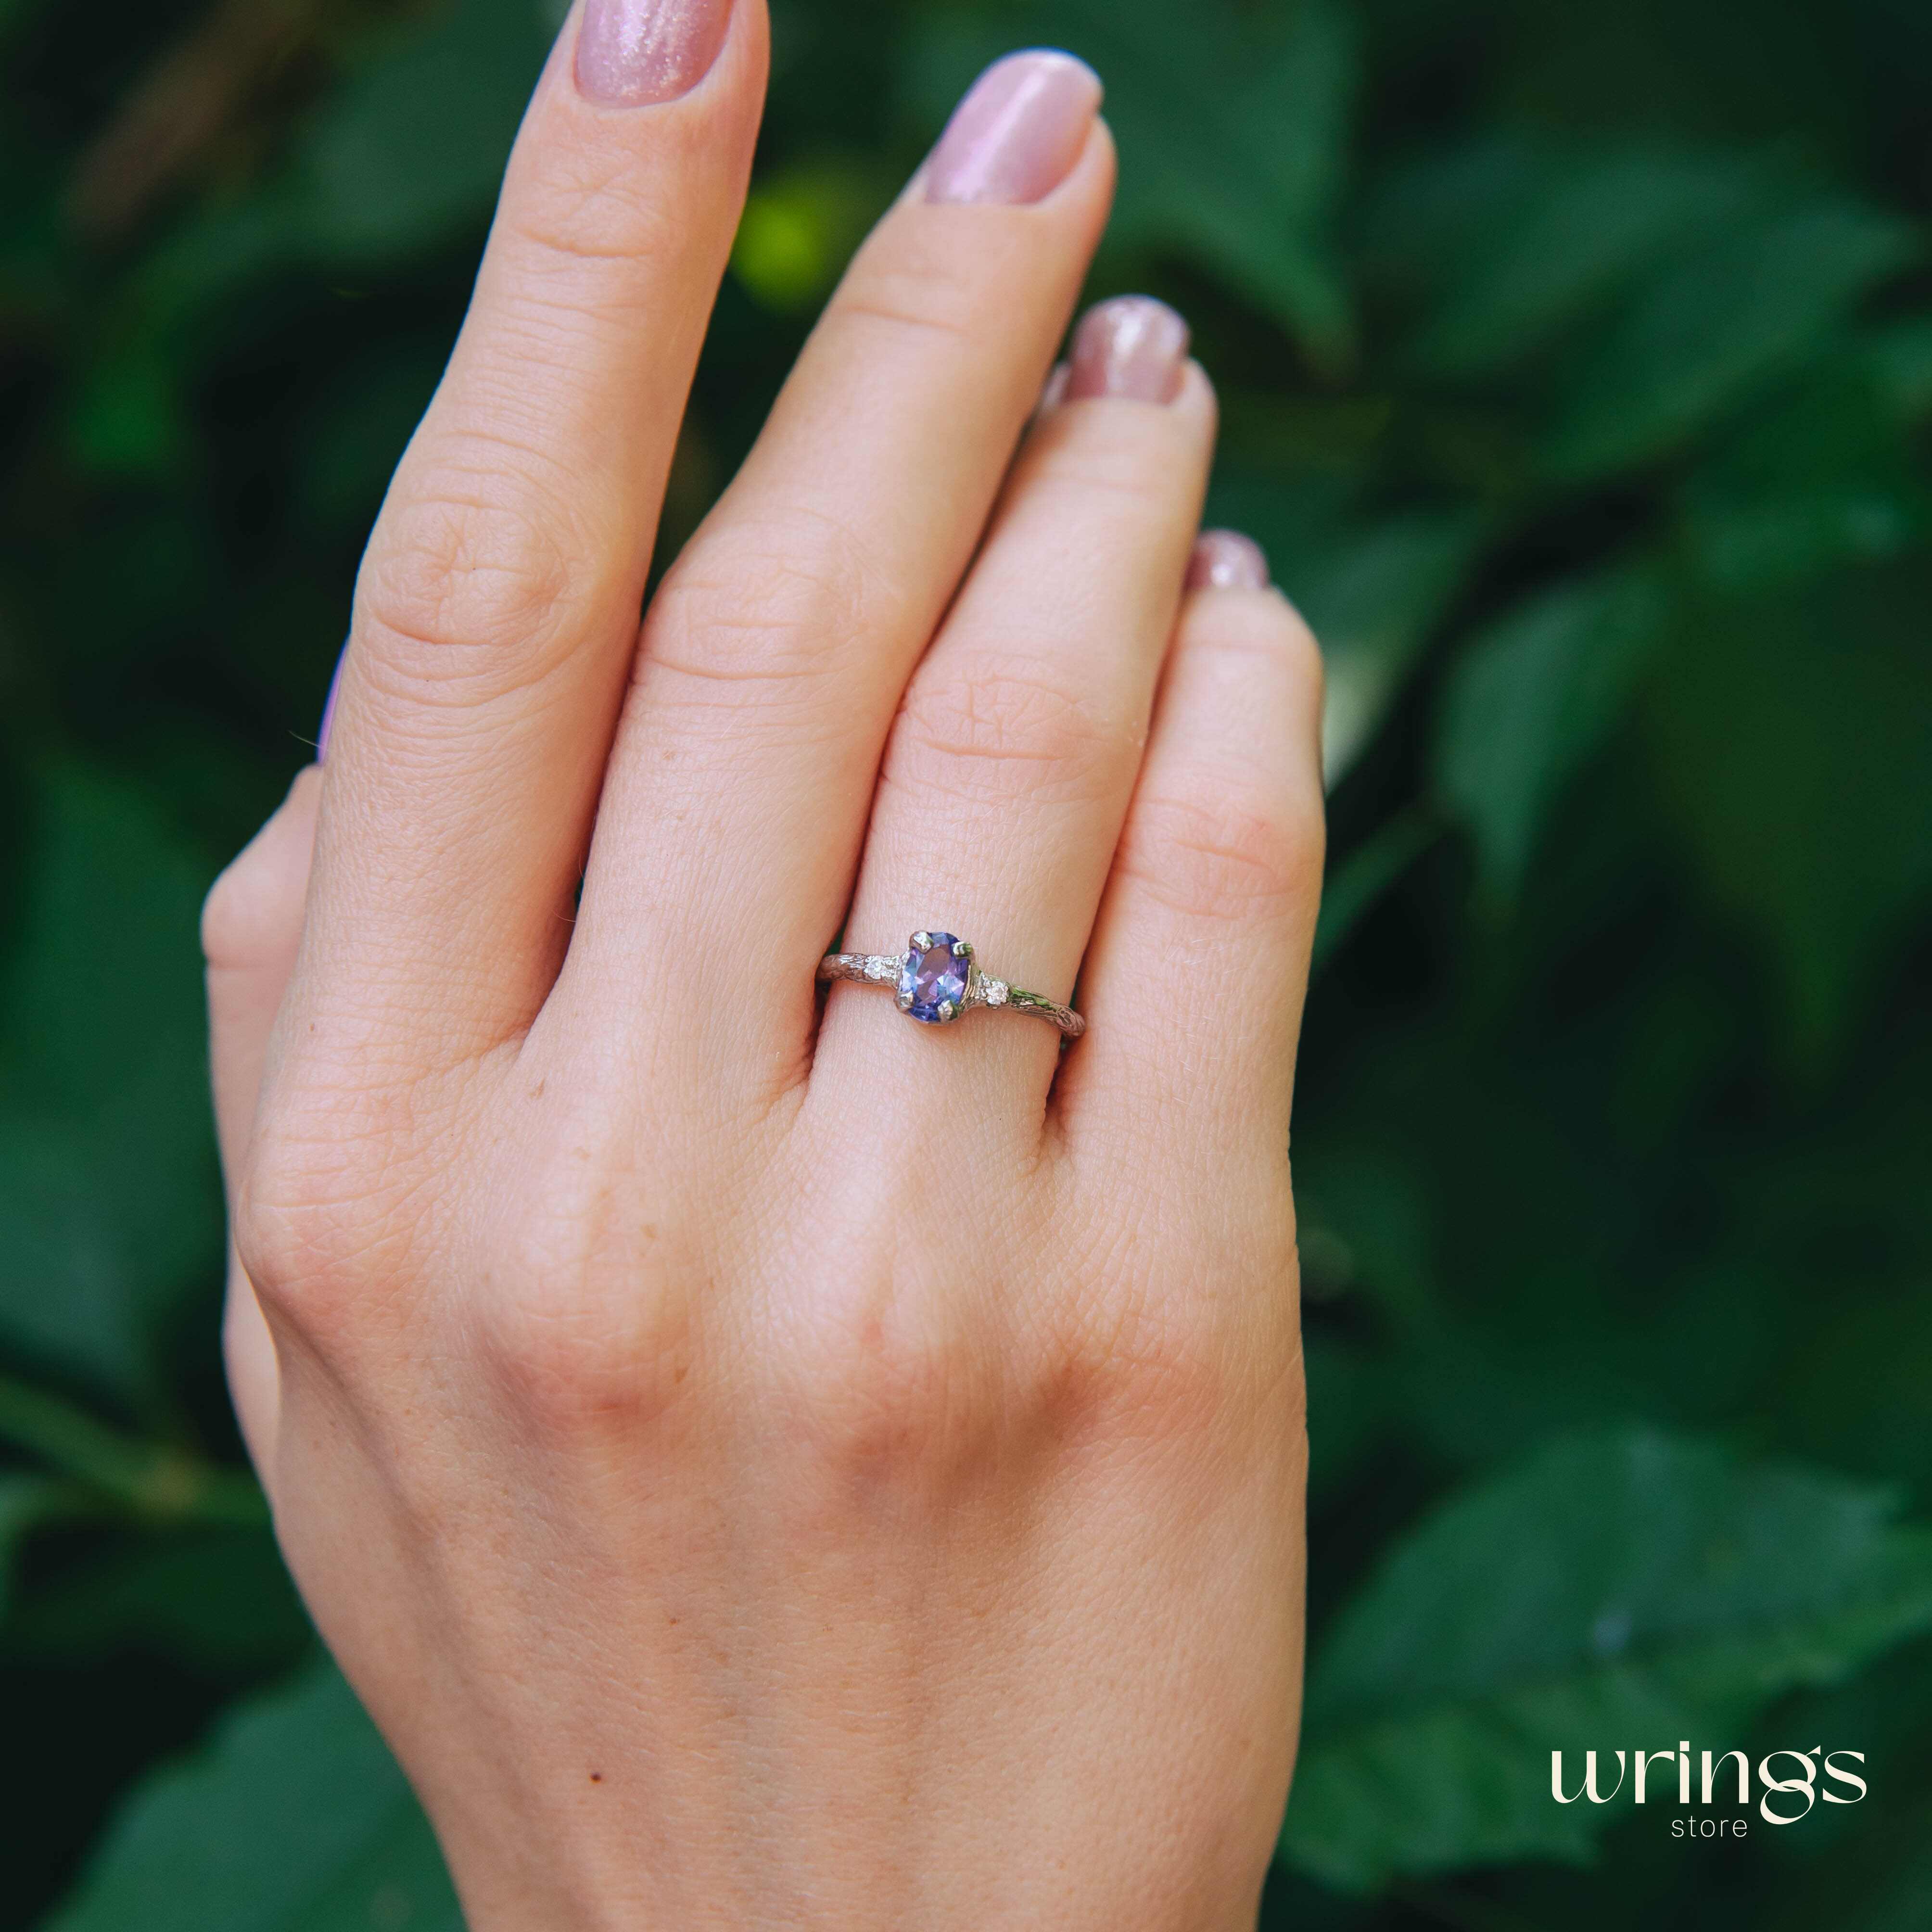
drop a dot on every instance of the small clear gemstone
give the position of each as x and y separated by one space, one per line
932 980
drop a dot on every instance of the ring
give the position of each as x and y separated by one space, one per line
937 979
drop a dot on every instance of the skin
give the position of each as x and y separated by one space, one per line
762 1469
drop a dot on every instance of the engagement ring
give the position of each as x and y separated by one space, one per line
937 979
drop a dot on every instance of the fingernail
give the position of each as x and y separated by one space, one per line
1133 346
328 707
631 52
1018 132
1054 392
1226 560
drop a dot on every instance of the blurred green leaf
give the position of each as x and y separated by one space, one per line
1901 360
1750 301
1615 1590
293 1819
26 1502
1372 600
1530 700
1529 239
107 1209
414 145
406 155
1231 133
1819 478
1353 888
1372 592
220 1599
1794 746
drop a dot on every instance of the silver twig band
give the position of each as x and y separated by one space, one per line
937 979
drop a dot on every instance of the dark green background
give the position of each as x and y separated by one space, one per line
1577 368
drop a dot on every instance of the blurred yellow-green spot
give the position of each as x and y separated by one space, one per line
800 228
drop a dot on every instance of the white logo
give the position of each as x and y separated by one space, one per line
1780 1800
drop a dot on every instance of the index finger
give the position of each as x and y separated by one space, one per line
497 608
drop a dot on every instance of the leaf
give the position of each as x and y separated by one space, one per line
219 1599
1620 1591
1353 888
407 153
1373 602
1901 362
1372 592
25 1502
109 1203
1231 134
1527 703
293 1819
1747 304
1551 234
1793 742
1821 478
414 146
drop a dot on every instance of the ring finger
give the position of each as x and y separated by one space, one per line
1010 767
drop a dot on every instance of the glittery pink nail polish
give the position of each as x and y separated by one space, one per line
1132 346
631 53
1018 132
1226 560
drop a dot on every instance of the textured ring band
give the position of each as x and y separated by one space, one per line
937 979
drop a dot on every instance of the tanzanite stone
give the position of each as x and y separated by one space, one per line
932 982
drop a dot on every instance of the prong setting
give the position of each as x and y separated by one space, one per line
935 978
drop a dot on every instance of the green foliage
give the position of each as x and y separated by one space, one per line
1628 1590
1530 700
295 1818
106 1207
1576 372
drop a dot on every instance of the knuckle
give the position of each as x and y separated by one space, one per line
994 729
1132 469
578 202
889 1386
1208 854
1144 1364
473 575
571 1356
760 613
588 1314
942 301
303 1247
334 1207
900 1404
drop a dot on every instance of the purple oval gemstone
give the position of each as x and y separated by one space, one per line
932 982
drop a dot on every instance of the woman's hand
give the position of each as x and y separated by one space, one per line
765 1466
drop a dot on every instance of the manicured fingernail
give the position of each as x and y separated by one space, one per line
328 707
1054 392
1133 346
631 53
1226 560
1018 132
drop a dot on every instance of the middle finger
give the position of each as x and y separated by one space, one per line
774 653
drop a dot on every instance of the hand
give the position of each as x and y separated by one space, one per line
765 1464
